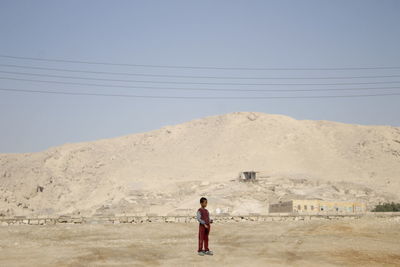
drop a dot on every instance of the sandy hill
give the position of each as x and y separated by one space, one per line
166 170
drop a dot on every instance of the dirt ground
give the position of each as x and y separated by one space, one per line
367 242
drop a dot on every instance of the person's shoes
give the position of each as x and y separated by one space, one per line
201 253
208 252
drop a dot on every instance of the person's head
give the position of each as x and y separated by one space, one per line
203 202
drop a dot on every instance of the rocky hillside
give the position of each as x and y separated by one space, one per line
167 170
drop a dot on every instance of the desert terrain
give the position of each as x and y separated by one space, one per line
165 171
361 242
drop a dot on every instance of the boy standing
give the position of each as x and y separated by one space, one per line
203 217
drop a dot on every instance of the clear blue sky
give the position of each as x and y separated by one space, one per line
193 33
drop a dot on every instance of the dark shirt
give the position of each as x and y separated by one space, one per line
203 216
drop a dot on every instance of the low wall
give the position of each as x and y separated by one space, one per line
51 220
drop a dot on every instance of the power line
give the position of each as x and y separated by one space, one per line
199 77
192 97
193 83
195 89
196 67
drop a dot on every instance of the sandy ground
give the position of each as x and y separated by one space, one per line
368 242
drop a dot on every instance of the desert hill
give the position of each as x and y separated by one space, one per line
167 170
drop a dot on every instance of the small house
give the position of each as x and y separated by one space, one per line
247 176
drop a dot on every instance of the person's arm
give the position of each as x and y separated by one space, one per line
198 216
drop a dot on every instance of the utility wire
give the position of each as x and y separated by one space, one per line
197 67
192 97
198 77
202 83
195 89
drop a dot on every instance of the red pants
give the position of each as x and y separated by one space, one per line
203 237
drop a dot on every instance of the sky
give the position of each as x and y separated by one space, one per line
246 35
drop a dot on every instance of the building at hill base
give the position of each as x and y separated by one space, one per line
317 206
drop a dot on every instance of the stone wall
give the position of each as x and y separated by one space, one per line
118 219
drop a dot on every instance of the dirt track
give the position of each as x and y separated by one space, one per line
373 242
